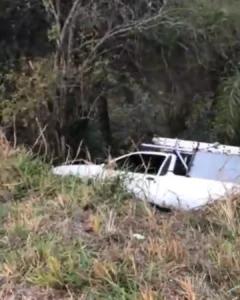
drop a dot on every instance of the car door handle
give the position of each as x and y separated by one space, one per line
150 179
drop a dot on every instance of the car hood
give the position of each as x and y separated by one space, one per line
82 171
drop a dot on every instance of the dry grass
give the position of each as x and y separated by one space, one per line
62 239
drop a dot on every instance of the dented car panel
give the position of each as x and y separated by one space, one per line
191 193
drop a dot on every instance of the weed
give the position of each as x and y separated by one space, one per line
66 239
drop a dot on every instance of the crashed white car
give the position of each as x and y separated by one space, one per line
171 173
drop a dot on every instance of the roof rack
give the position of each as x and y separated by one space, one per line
191 147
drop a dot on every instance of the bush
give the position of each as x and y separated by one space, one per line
162 68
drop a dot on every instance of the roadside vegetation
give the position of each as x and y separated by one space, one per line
65 239
76 84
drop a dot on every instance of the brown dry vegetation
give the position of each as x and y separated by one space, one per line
62 239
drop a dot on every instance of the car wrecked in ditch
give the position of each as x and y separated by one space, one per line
171 173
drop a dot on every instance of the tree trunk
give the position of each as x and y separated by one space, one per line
104 120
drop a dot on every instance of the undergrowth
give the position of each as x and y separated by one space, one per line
61 238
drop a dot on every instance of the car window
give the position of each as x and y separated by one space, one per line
142 163
216 166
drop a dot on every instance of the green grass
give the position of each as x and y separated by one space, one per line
63 239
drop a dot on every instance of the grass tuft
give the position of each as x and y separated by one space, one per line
61 238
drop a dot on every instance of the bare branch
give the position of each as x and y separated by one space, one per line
68 22
144 24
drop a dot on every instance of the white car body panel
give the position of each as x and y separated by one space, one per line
189 193
168 190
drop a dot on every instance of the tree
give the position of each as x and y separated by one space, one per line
71 74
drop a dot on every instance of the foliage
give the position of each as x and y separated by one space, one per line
23 25
62 238
159 66
228 109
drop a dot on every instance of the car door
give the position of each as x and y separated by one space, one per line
155 186
138 177
126 167
148 186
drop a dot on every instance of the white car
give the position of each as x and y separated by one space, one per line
171 173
